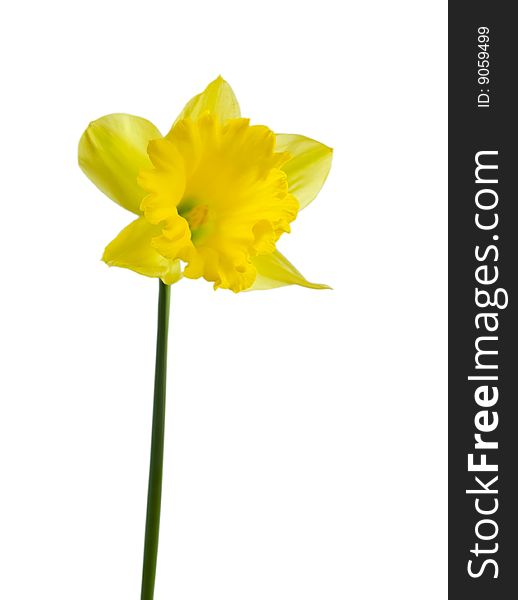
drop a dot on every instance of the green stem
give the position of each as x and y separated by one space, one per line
154 495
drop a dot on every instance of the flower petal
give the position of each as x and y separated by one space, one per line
308 168
218 98
111 153
165 183
132 249
274 270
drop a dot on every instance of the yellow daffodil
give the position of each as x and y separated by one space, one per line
212 197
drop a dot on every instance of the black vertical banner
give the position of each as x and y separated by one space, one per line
483 300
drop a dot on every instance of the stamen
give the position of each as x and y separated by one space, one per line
197 216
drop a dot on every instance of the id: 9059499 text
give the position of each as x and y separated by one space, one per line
483 67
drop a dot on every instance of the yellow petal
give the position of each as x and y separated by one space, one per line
274 270
165 182
132 249
111 153
218 98
308 168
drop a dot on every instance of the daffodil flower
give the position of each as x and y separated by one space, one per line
212 197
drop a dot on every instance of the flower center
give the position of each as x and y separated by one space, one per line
246 203
196 216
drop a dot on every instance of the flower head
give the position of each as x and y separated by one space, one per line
212 197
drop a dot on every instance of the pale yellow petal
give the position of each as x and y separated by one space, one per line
112 152
218 98
132 249
308 167
274 270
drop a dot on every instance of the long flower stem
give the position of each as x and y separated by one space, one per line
154 495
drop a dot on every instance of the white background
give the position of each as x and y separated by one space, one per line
306 430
